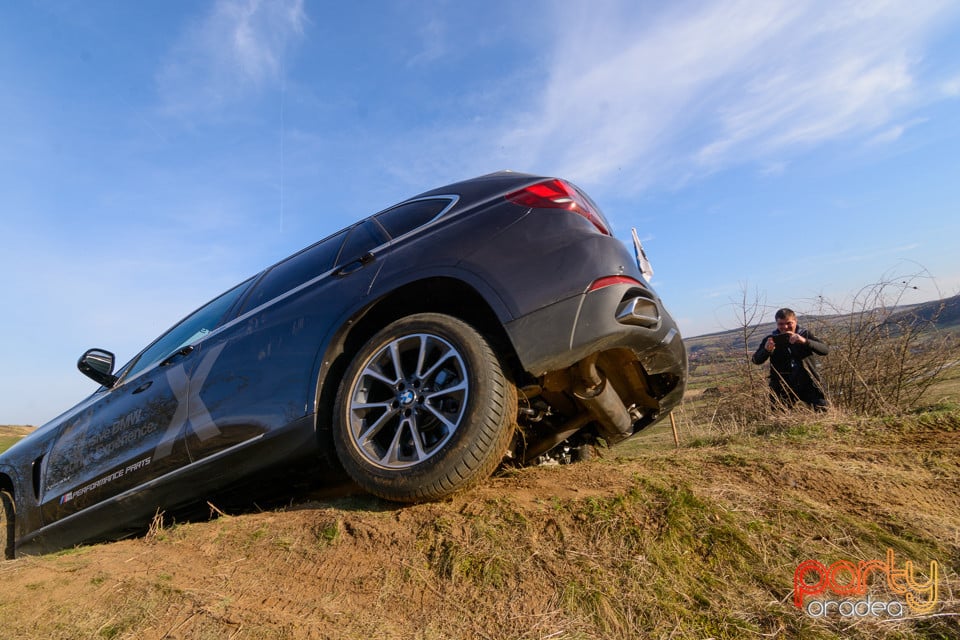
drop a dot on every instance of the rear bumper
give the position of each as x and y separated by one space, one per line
616 317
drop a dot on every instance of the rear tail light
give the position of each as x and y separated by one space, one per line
557 194
609 281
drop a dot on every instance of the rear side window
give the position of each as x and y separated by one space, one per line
407 217
295 270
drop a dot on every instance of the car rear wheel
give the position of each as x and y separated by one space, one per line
425 409
7 526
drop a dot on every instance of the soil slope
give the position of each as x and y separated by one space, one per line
702 541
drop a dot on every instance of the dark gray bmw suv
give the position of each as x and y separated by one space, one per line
489 320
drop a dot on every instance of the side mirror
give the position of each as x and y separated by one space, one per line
97 364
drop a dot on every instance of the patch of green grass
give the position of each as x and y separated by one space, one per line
72 551
477 555
7 441
661 543
329 533
732 460
482 569
99 579
584 597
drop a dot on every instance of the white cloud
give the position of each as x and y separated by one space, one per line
894 132
865 254
951 87
640 95
236 49
433 42
773 168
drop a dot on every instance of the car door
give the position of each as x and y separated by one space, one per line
133 432
260 381
111 446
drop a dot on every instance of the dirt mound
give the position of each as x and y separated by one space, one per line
698 542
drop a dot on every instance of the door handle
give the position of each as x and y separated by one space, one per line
143 387
182 352
356 265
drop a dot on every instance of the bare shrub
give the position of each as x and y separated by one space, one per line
739 396
884 355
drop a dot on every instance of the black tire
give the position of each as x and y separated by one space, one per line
425 410
7 526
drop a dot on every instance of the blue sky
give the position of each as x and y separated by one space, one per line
155 153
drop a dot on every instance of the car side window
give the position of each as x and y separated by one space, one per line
193 328
294 271
407 217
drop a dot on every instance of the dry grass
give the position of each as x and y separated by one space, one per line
9 434
648 541
651 540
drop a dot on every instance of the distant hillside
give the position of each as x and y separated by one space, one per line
15 429
9 434
946 312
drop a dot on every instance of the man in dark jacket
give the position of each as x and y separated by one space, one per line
792 376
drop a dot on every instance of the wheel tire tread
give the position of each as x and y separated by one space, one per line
7 526
485 449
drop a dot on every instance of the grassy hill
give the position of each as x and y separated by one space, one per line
700 541
9 434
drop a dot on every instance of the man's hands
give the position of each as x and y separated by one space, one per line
794 338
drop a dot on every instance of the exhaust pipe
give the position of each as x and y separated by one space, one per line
603 402
546 444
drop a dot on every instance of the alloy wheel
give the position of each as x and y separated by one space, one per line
408 401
